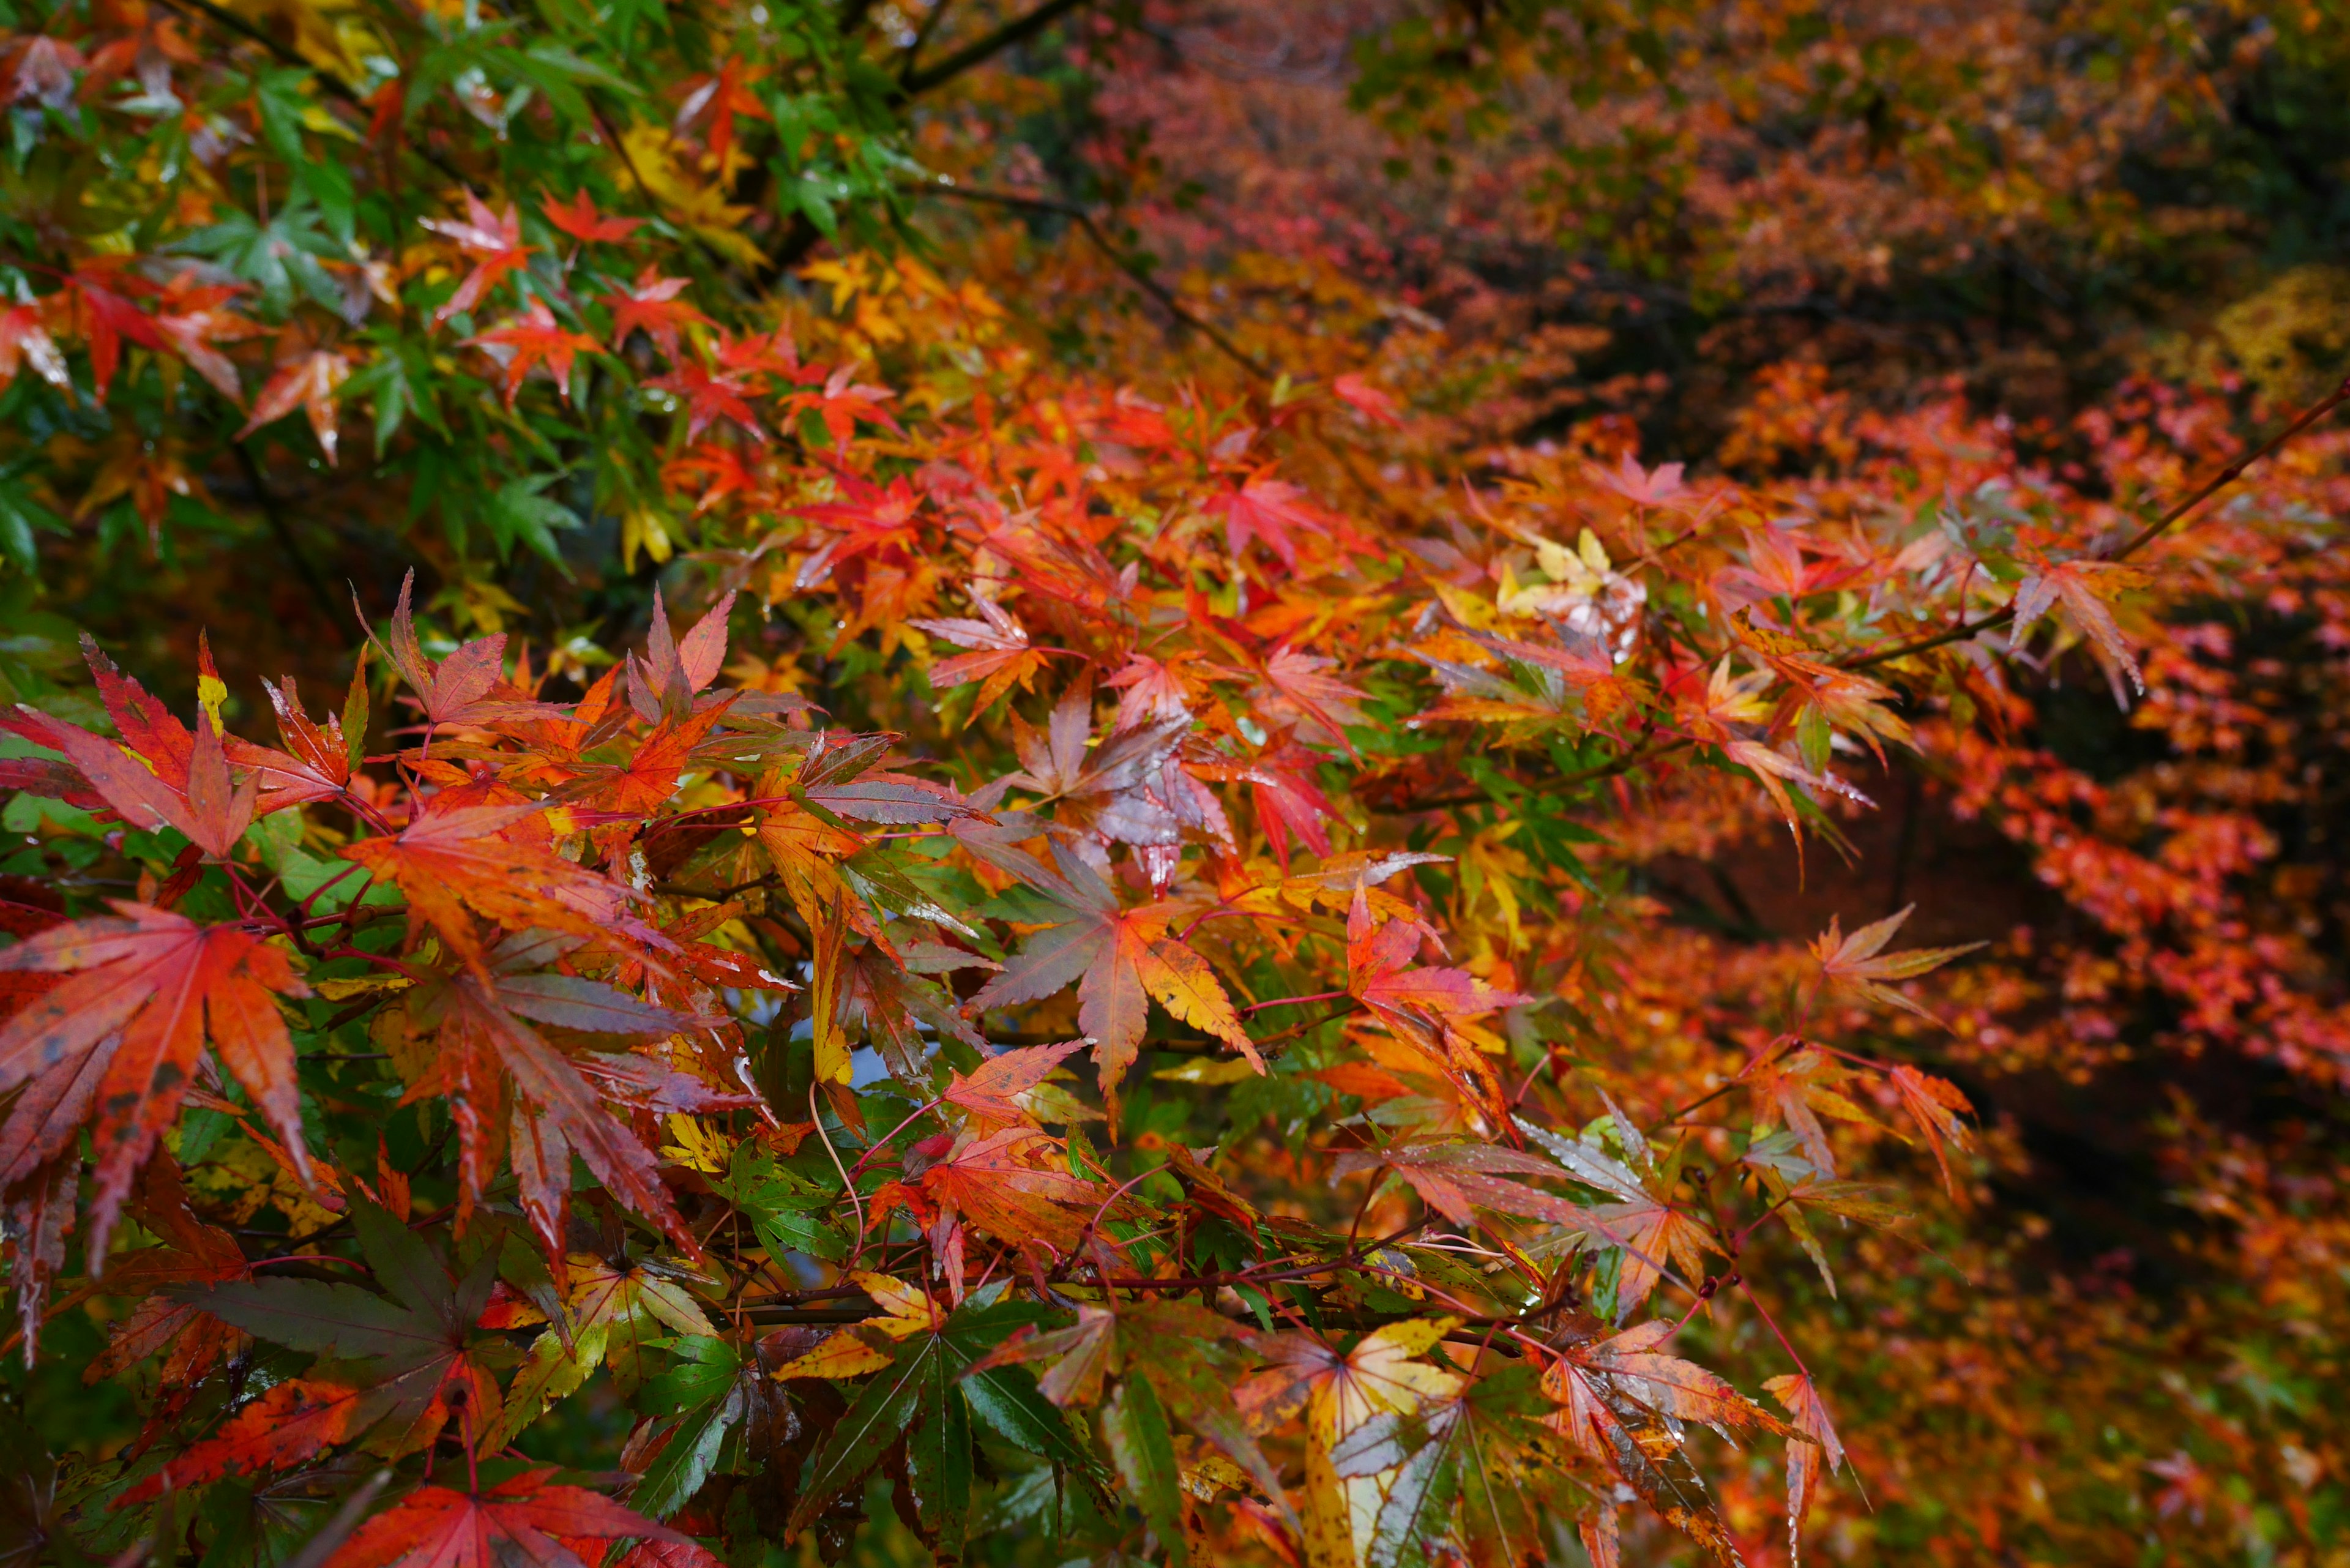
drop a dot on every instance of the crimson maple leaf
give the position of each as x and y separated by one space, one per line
533 338
106 318
709 398
582 222
651 305
148 987
719 99
463 687
518 1523
490 241
842 402
1267 509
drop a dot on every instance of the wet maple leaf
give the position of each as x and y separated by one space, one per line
989 1091
455 863
192 1254
106 320
1801 1398
579 219
718 98
24 341
484 1042
147 988
1859 964
2083 586
1120 961
1269 510
395 1360
307 383
1000 656
1373 403
1015 1183
534 338
523 1521
842 402
651 306
460 689
1652 1234
490 241
709 398
1935 1106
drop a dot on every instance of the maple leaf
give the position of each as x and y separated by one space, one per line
24 341
1270 509
842 402
1854 962
1015 1183
205 802
318 757
523 1521
1796 1392
1290 804
2083 586
1373 403
1650 1233
1120 961
1345 1396
1000 654
1935 1106
192 1254
718 98
107 319
1379 971
989 1091
1452 1177
533 338
653 306
394 1360
307 383
458 689
1299 691
1602 1414
189 320
709 398
617 1314
483 1041
148 988
580 219
454 862
490 241
1643 487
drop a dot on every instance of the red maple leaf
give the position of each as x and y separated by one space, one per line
307 383
709 398
582 222
719 99
147 988
107 319
492 242
651 304
519 1522
535 338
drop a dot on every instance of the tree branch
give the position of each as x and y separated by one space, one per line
979 50
1141 274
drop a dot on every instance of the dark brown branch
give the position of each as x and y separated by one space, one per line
980 50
